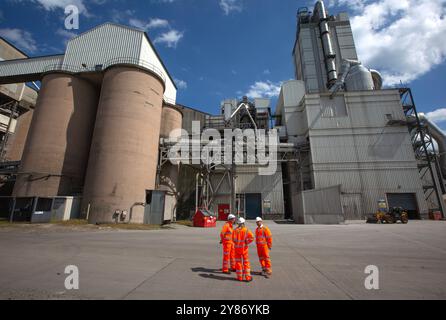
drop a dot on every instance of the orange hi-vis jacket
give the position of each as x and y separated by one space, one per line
242 237
226 233
264 237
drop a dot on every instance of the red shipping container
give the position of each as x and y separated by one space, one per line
204 219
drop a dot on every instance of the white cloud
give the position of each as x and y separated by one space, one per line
229 6
181 84
151 24
403 39
20 38
66 35
264 89
438 115
170 38
266 71
60 4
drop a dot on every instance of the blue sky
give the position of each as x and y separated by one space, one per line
220 49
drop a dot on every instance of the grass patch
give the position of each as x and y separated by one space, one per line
71 223
129 226
186 223
6 223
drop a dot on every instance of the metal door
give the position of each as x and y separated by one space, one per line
407 201
154 210
253 205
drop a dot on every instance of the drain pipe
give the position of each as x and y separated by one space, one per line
330 56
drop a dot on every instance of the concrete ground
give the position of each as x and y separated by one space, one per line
309 262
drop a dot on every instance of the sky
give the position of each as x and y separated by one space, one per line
217 49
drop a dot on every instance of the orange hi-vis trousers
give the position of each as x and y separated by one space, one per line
265 260
228 256
228 247
242 237
264 241
242 266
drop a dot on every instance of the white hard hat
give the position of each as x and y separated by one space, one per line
258 219
241 220
231 216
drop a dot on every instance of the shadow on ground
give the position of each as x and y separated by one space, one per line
217 274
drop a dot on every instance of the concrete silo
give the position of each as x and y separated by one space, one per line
55 155
16 143
172 118
124 151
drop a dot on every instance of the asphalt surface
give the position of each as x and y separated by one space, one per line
309 262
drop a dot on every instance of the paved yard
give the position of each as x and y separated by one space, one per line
309 262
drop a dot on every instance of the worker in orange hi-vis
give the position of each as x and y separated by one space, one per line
228 245
264 242
242 237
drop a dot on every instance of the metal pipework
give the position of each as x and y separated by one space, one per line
440 138
377 79
330 56
346 66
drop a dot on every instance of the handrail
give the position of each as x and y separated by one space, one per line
137 62
115 61
64 67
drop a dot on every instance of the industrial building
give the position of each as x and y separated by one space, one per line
97 141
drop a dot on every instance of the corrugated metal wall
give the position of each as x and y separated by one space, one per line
102 44
360 151
28 66
309 56
311 209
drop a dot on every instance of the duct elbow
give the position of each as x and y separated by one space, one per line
377 79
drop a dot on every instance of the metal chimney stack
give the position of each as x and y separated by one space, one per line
330 56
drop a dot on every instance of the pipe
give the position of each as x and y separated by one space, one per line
330 56
345 69
440 138
377 79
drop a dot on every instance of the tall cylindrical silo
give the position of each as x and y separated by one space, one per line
124 152
56 151
16 143
172 119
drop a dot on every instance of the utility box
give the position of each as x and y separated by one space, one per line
204 219
42 210
65 208
154 209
